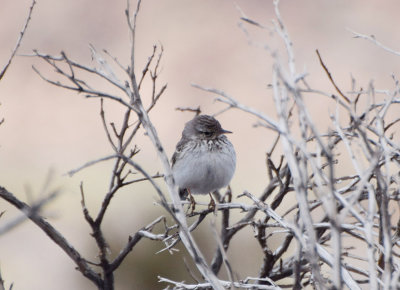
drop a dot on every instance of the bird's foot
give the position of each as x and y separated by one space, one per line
211 205
192 202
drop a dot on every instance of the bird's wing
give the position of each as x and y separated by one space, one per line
178 151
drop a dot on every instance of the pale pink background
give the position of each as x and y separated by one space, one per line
47 128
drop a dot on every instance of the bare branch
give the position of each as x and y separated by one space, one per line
373 40
21 36
54 235
225 284
145 232
330 77
35 210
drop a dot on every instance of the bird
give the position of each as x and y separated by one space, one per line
204 159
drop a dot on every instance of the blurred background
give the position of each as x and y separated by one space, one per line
49 131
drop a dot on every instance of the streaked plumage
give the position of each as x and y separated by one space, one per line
204 159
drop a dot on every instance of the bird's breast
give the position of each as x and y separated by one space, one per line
205 167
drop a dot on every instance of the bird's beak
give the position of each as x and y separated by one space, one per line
225 132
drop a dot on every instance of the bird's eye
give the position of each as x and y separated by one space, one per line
208 134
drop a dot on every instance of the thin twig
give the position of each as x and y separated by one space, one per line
330 78
373 40
19 41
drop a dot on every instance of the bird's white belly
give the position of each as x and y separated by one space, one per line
203 172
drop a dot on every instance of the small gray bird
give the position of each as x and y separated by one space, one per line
204 158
